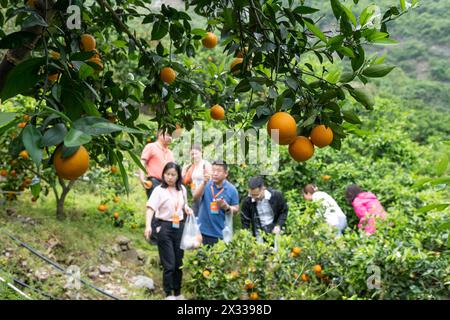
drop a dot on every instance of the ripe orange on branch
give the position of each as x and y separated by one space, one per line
301 149
321 136
72 167
53 77
210 40
168 75
254 296
87 42
24 154
235 69
217 112
206 273
286 126
317 268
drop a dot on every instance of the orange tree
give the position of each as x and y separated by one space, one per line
85 111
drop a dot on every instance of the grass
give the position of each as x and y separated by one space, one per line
85 239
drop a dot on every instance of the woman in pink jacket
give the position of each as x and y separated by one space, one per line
366 206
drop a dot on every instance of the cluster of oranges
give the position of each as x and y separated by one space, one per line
103 207
87 44
301 148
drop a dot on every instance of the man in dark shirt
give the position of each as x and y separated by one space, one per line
264 208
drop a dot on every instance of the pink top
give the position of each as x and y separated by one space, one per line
166 201
368 208
156 157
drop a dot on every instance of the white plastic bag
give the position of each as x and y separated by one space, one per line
191 238
227 232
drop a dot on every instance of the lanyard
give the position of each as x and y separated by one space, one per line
177 204
216 195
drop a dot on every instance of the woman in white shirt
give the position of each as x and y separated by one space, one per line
332 212
193 173
168 204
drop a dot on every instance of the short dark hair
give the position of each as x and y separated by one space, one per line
222 164
171 165
310 188
351 192
256 182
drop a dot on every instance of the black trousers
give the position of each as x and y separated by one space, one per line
171 256
209 241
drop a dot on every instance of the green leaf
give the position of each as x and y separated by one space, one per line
304 10
346 77
351 117
442 165
54 135
243 86
349 14
402 4
319 34
377 71
439 207
76 138
109 127
120 43
366 14
34 20
376 36
420 182
160 29
346 51
443 180
385 41
309 121
31 138
363 96
22 78
136 160
444 226
199 32
6 117
123 172
85 71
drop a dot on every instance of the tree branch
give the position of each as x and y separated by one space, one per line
122 25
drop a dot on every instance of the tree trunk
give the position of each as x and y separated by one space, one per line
15 56
60 214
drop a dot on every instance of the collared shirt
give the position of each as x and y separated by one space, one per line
212 224
156 157
265 211
166 202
